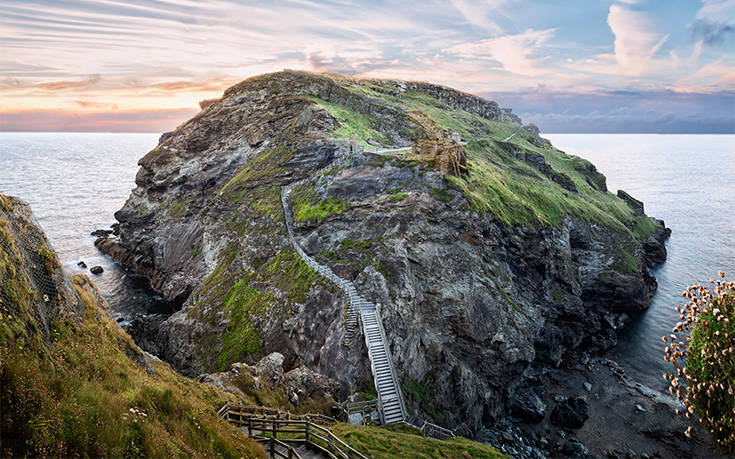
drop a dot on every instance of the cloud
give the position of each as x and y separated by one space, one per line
635 41
624 111
715 22
481 13
66 85
712 33
513 52
69 120
90 104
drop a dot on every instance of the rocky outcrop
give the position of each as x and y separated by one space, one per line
470 302
300 384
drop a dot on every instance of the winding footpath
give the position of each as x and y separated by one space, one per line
390 398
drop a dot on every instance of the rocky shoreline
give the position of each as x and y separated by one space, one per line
491 324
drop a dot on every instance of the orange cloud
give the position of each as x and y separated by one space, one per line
66 85
152 120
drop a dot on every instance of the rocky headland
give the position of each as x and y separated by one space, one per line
497 260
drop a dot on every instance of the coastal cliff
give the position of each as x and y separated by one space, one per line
72 383
493 256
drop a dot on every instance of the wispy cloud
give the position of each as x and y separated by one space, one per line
108 55
636 41
513 52
715 22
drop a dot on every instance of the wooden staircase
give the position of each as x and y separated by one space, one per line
391 406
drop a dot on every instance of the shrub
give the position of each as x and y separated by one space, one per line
701 348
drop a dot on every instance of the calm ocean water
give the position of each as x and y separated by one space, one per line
689 182
75 182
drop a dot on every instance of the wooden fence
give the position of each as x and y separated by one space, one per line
291 431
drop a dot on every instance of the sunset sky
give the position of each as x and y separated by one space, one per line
583 66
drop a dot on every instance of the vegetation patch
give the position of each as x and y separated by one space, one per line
307 208
177 210
701 351
393 443
82 395
440 194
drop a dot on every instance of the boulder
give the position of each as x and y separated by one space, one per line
101 233
571 413
528 406
96 269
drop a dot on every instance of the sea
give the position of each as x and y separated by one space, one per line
76 181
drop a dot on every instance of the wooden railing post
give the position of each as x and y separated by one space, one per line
307 431
273 447
250 427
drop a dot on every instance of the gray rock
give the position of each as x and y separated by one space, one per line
96 270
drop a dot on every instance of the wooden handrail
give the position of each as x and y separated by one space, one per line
333 447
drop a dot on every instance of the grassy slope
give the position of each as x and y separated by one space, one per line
401 441
74 395
511 189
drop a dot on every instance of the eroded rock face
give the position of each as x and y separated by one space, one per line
301 384
469 303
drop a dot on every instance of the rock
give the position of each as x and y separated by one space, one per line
115 229
101 233
205 104
640 408
571 413
574 449
82 264
96 270
271 367
587 387
632 202
528 406
470 303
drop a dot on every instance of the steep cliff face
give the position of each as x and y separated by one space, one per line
523 261
73 384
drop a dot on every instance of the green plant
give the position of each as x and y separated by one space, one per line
440 195
701 351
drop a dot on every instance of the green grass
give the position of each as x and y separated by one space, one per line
353 124
393 443
307 208
70 394
499 183
440 195
177 210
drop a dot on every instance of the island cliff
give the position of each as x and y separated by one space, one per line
492 254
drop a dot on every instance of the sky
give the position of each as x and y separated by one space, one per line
569 66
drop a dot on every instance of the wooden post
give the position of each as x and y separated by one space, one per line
274 428
307 432
273 447
250 427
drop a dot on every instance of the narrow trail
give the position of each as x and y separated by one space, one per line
511 136
390 398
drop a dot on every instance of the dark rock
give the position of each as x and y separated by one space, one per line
165 136
115 229
82 264
96 270
528 406
574 449
101 233
632 202
571 413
